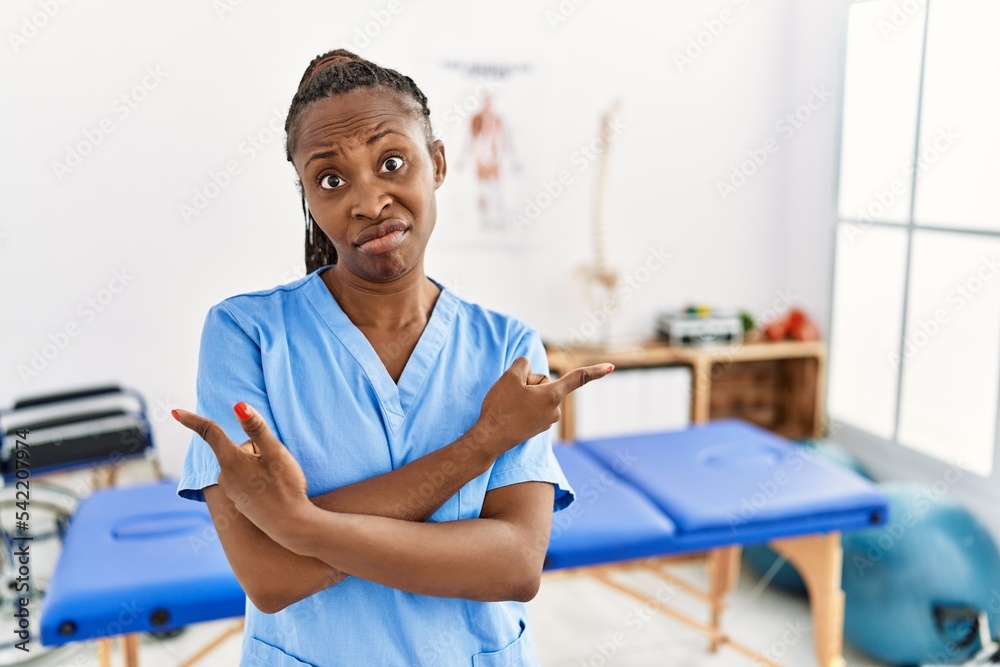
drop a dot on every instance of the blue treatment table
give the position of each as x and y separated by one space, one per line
137 559
713 487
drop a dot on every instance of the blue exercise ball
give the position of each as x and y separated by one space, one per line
916 585
834 453
762 558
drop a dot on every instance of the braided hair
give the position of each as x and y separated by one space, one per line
335 73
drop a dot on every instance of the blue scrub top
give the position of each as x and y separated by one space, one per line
294 355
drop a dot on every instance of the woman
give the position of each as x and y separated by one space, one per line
394 501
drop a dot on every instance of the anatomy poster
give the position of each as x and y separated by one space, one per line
492 122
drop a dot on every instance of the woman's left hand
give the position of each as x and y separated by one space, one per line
261 477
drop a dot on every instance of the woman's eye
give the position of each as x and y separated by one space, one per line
330 181
392 164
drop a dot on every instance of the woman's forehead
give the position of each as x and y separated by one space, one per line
351 119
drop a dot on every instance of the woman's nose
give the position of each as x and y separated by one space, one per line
370 199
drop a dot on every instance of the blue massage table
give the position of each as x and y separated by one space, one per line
712 488
139 559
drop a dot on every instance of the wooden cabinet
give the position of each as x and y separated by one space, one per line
776 385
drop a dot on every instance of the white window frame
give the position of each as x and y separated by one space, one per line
891 459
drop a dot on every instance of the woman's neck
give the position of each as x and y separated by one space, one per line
400 304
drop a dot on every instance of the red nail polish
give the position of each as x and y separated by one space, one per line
175 415
243 411
610 369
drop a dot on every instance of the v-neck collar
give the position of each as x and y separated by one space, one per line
395 398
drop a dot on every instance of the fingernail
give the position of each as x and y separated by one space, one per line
610 368
243 411
175 415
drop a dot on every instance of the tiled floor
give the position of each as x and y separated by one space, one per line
580 623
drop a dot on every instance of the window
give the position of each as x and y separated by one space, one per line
915 335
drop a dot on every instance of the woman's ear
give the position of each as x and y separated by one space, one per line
439 161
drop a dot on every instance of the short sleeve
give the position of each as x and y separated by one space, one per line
230 370
533 460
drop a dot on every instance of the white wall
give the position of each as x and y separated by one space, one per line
228 76
816 55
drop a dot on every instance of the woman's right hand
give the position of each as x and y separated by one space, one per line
522 404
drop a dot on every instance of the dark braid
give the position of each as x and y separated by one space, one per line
335 73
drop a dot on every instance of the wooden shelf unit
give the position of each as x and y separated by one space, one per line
776 385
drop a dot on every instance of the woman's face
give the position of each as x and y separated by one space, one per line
369 180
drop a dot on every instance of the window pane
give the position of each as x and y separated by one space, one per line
959 164
866 327
951 360
881 88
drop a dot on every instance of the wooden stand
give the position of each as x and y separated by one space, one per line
776 385
130 650
130 647
816 557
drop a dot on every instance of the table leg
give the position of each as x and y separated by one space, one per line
819 558
701 389
567 423
104 652
130 647
226 634
820 424
723 571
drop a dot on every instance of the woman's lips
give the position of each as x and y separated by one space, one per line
380 229
384 243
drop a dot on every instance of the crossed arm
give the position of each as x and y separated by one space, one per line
284 547
475 559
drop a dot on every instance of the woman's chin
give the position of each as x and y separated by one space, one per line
383 268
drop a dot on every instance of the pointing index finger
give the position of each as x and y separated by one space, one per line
578 377
210 432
